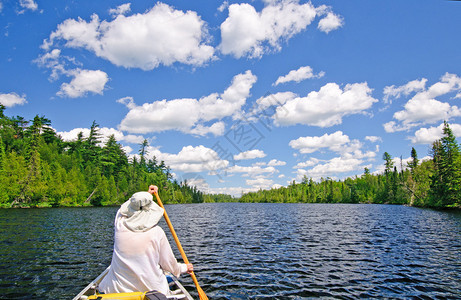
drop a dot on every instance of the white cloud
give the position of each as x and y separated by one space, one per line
216 129
275 162
429 135
251 171
52 60
423 108
336 165
299 75
199 183
250 154
352 158
223 6
395 92
271 163
190 159
373 138
121 9
12 99
311 144
231 101
84 81
330 22
28 4
161 35
275 99
188 115
260 183
326 107
305 164
105 133
247 32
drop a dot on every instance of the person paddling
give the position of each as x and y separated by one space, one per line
141 250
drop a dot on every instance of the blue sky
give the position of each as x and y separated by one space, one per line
238 96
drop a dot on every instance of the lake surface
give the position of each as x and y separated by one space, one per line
248 251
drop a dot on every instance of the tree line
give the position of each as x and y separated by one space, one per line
39 169
431 183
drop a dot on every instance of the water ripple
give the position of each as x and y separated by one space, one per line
249 251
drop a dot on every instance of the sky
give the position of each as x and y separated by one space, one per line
239 96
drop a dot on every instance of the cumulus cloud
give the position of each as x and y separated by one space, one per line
223 6
252 171
121 9
352 157
311 144
423 108
215 129
330 22
188 115
28 4
406 89
105 133
53 61
250 154
161 35
275 99
336 165
190 159
326 107
305 164
260 183
429 135
247 32
298 75
12 99
373 138
275 162
83 82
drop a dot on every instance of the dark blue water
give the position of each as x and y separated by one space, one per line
249 251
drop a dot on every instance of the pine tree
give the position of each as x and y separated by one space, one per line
446 181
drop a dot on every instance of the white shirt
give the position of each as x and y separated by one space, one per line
138 261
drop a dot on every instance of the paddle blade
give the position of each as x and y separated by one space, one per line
201 294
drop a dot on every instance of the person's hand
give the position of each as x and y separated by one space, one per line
190 268
153 189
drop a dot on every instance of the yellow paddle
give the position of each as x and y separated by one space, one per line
201 293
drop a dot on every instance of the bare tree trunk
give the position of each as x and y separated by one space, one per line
91 195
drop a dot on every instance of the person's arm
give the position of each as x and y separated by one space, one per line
168 261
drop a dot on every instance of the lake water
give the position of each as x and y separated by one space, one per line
248 251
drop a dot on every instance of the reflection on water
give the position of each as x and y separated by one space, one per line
241 251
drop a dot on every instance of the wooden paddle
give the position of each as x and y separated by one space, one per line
201 293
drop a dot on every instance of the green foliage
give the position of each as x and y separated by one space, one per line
39 169
446 180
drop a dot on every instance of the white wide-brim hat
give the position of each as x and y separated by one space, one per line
140 212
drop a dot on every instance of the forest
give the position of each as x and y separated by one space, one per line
430 183
39 169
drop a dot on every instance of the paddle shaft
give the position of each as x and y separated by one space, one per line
176 239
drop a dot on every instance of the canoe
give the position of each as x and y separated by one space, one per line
178 292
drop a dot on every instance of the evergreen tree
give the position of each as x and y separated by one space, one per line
413 163
446 181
